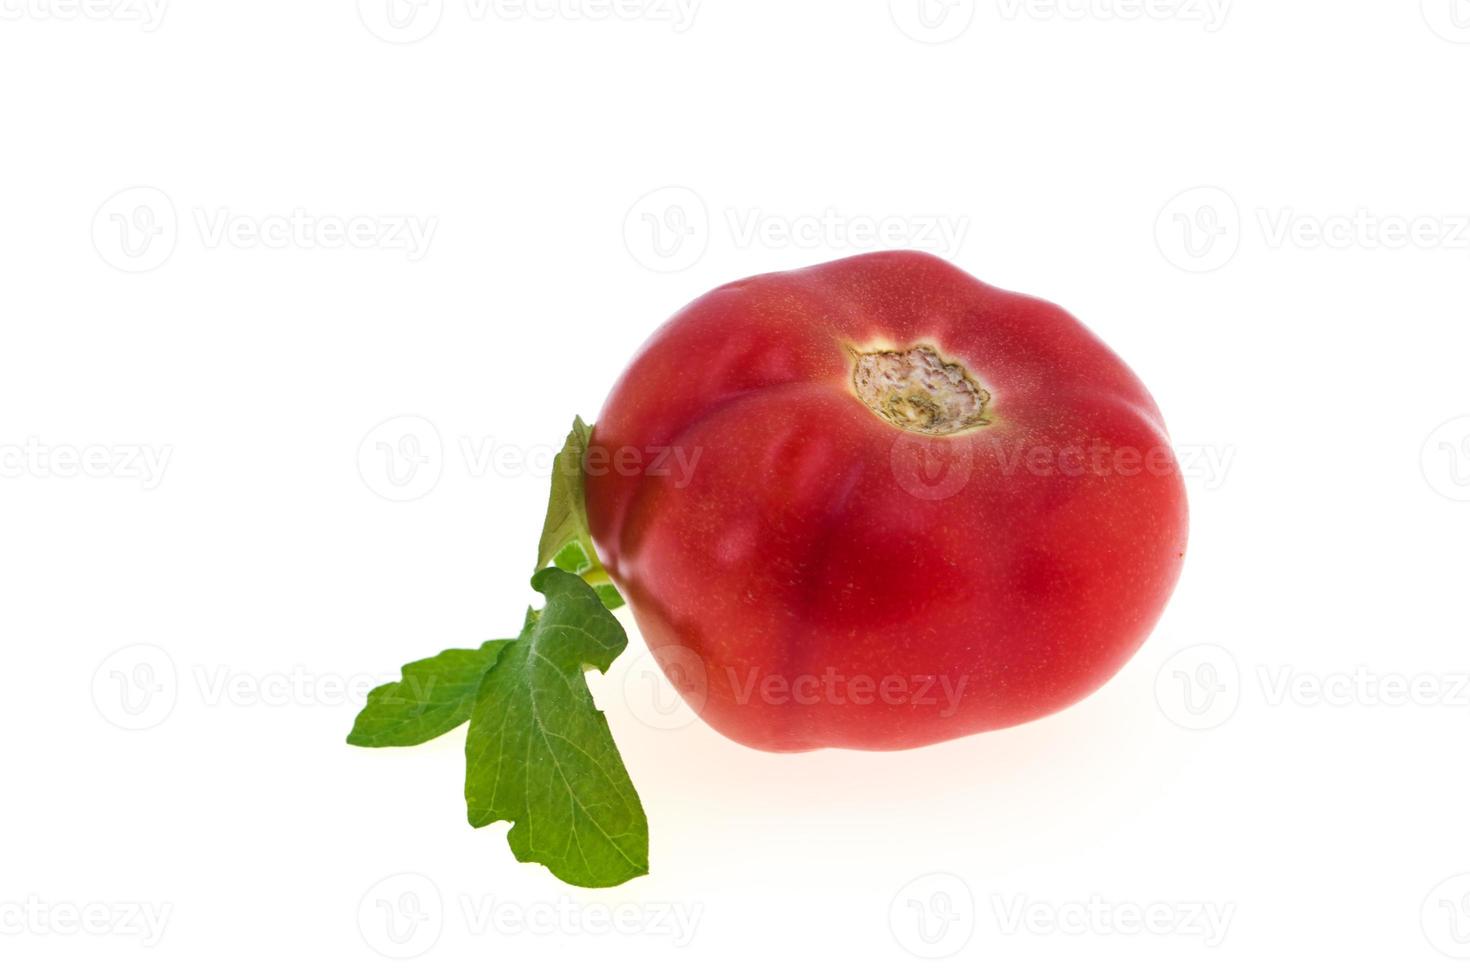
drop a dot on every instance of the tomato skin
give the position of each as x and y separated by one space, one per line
809 574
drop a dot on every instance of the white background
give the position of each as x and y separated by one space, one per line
1264 214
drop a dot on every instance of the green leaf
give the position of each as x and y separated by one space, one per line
538 754
435 696
541 755
573 558
609 594
566 540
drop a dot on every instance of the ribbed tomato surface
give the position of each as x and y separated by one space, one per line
878 504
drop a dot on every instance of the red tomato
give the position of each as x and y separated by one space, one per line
877 504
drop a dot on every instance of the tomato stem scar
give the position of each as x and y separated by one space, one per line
918 390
